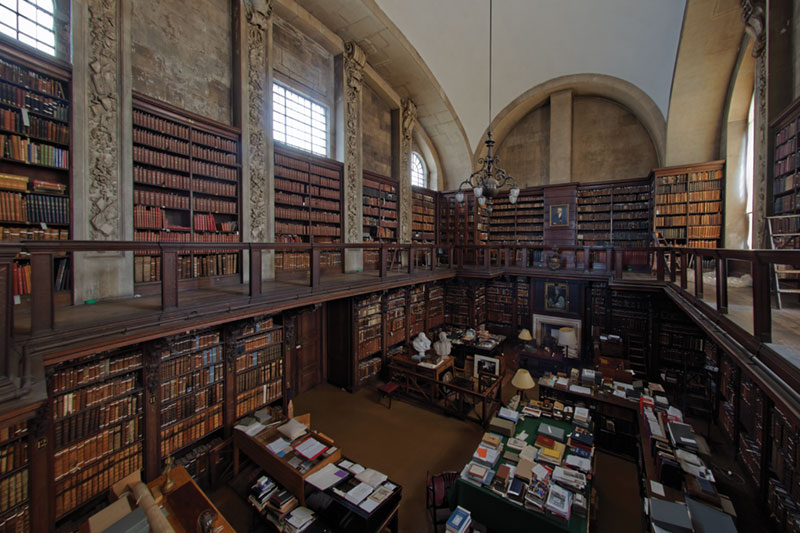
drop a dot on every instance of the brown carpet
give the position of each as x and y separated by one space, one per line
619 504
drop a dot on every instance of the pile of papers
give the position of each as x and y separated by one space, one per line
570 479
559 503
298 520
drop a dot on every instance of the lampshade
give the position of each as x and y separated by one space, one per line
566 337
522 380
525 335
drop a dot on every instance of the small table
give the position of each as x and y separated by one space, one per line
186 501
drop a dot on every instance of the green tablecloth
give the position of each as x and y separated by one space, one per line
501 515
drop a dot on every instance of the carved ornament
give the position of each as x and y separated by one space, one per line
409 117
354 60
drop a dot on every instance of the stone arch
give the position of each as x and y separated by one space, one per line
616 89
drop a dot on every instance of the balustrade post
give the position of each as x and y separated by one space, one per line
255 272
587 259
609 259
487 257
698 276
523 257
659 264
433 257
315 268
411 259
42 304
722 284
673 266
169 277
450 256
382 261
618 264
762 309
684 268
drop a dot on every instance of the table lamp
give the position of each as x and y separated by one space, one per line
525 335
523 381
567 339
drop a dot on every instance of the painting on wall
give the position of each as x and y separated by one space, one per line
556 296
559 215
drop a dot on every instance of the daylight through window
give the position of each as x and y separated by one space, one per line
417 170
299 122
30 22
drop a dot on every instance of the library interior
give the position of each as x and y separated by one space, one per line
399 265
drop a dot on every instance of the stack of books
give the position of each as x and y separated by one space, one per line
281 503
550 451
299 520
559 503
570 479
459 521
581 417
261 491
536 496
581 442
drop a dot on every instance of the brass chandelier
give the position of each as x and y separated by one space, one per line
488 181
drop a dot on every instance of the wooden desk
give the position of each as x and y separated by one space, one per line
255 448
185 502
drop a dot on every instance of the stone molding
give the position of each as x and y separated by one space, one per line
103 118
409 117
353 60
258 14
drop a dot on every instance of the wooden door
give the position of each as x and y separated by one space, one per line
309 349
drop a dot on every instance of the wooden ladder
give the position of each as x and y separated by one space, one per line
784 240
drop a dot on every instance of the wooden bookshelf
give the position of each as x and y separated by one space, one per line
435 305
423 215
259 363
416 310
308 206
785 176
690 204
462 223
380 204
507 305
98 425
186 183
14 478
191 376
465 303
530 217
395 305
35 140
630 318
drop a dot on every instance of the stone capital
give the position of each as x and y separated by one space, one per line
754 18
258 12
409 109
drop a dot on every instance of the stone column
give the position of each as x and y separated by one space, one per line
755 25
253 49
350 79
101 151
561 137
408 113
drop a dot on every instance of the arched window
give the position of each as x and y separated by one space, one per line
30 22
419 175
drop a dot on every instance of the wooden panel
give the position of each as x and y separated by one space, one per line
308 357
557 196
339 341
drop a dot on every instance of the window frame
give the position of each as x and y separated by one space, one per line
324 130
421 159
34 42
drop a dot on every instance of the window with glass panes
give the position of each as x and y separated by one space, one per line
298 121
417 170
30 22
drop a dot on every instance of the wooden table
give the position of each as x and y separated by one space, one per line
185 502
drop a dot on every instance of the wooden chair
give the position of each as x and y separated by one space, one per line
436 501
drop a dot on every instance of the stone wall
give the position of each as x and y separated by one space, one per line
302 63
377 124
525 151
608 142
183 55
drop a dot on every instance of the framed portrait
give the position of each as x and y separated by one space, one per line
547 330
559 215
486 364
556 296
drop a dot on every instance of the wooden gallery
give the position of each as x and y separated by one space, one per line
377 265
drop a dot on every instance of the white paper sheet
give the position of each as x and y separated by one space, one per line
327 477
310 448
278 446
357 494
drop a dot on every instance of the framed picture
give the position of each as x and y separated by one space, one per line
559 215
486 364
556 296
547 331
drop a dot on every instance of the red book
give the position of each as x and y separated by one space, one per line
545 441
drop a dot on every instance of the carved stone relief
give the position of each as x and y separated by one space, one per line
353 61
754 19
103 118
258 13
409 111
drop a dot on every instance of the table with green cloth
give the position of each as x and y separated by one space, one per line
499 514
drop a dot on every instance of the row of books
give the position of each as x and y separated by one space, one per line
214 141
160 178
258 397
31 79
784 184
388 207
21 274
24 99
13 456
322 177
368 368
787 165
19 149
100 394
786 148
160 159
74 458
214 206
215 188
162 142
208 223
705 196
176 366
270 338
304 215
212 170
190 430
13 431
95 371
704 232
292 260
162 199
190 382
146 120
188 405
86 422
89 482
17 521
147 217
34 126
671 198
13 490
213 155
703 244
786 204
260 375
191 342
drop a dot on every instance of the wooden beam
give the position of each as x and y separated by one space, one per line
255 273
762 312
169 277
722 284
